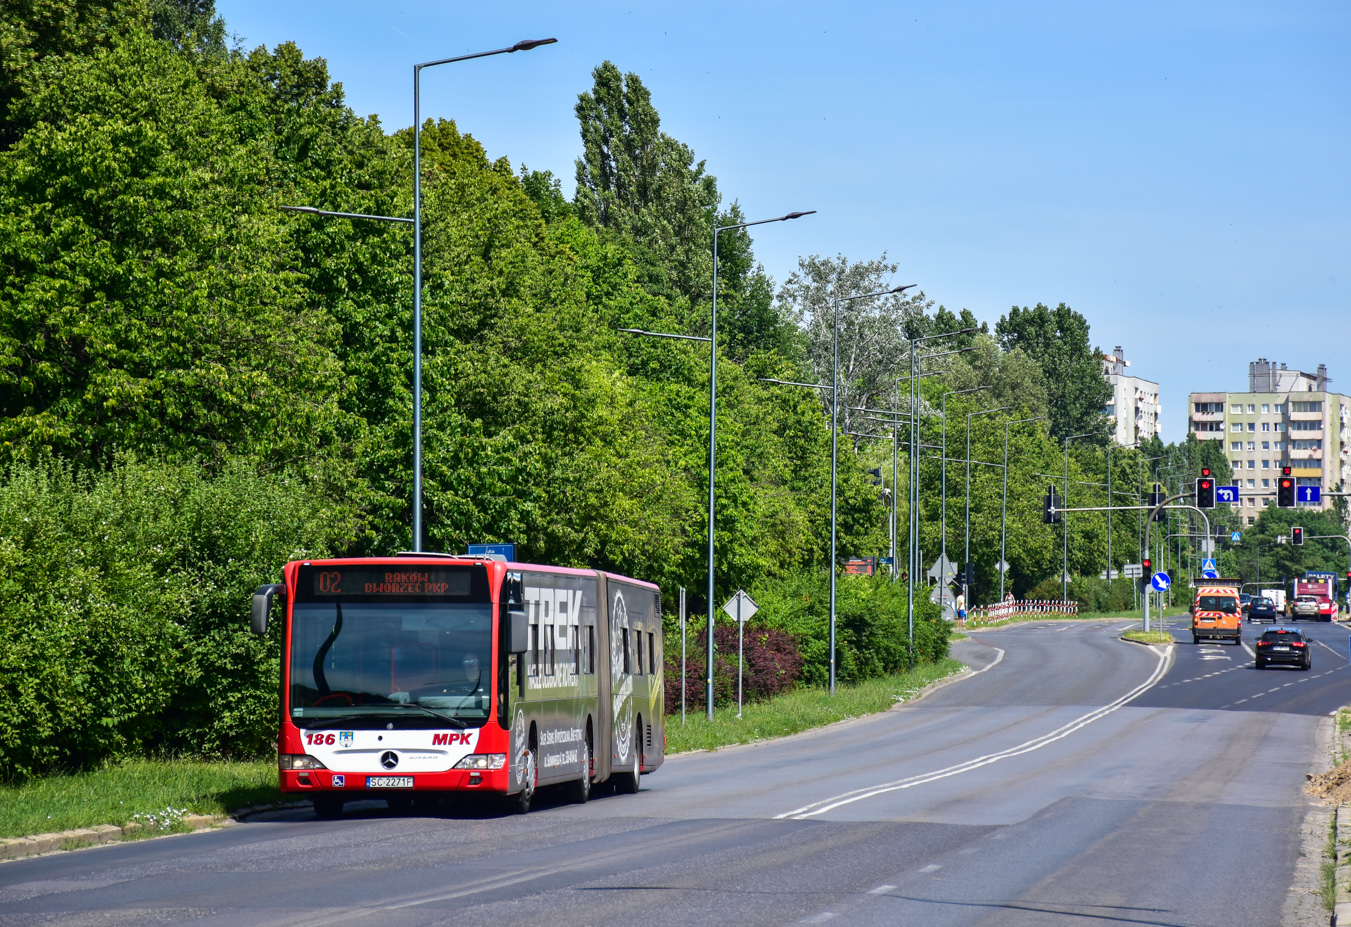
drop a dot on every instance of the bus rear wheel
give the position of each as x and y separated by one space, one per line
628 783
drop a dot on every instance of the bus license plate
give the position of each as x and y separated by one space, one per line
389 782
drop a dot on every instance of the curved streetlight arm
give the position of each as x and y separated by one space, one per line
523 45
639 331
311 211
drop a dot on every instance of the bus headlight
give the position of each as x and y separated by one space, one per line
299 761
482 761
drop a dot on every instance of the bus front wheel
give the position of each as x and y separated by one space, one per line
327 807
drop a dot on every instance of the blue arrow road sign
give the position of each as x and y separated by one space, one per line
1210 574
1226 494
1236 535
1308 494
1160 582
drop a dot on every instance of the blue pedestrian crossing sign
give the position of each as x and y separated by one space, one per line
1308 494
1235 536
1160 582
1208 565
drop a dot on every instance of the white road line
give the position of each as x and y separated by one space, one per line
846 798
1334 650
882 890
820 918
1247 648
1240 701
932 867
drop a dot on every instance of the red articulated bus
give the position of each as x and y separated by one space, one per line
424 674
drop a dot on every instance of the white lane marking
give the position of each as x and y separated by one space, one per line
846 798
1221 657
820 918
932 867
882 890
1124 628
1247 648
1240 701
1334 650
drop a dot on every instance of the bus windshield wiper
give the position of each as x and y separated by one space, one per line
454 721
344 720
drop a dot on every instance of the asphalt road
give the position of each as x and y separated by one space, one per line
1076 780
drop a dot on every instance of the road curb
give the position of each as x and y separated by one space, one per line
1150 646
84 838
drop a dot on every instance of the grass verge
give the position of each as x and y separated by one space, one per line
154 792
1150 637
800 710
1327 887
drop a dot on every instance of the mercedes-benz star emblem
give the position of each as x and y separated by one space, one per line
389 759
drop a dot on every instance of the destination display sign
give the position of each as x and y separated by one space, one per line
404 581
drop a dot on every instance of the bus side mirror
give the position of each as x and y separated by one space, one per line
517 630
262 604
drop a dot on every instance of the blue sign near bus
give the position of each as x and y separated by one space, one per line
507 550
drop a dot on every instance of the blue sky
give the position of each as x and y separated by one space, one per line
1177 172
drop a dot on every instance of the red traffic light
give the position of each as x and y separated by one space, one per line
1285 471
1147 563
1205 471
1285 484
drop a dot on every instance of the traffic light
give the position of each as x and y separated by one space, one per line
1285 489
969 575
1145 565
1297 536
876 474
1205 491
1155 498
1050 507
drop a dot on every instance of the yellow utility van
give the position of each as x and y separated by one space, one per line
1215 611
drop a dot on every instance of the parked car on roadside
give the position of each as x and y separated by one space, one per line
1284 646
1261 609
1304 606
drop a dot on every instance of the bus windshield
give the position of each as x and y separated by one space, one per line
403 664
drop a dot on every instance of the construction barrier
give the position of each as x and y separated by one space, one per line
1019 608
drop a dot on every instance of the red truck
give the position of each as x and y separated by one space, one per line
1322 590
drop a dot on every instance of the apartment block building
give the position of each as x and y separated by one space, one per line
1287 418
1135 401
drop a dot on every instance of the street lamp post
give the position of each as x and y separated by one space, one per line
966 533
524 45
1004 500
943 544
713 432
1065 523
834 450
913 520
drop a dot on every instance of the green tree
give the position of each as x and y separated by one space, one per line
1057 339
640 183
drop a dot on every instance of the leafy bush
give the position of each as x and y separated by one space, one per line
872 636
124 597
1092 593
771 666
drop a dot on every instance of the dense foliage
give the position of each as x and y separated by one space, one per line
196 386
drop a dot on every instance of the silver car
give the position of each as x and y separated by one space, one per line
1304 606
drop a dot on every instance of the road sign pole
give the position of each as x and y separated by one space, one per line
740 650
683 684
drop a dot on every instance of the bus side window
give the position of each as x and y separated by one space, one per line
651 652
638 650
591 650
534 650
624 643
549 650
